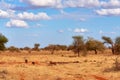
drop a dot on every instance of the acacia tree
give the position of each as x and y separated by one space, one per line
109 41
117 45
78 44
94 45
3 40
36 46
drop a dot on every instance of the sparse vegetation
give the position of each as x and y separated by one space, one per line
26 48
52 48
117 64
13 49
22 66
63 58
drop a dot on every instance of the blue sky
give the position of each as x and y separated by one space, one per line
25 22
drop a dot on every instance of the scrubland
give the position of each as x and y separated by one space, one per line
63 65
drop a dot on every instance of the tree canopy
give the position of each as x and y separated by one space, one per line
36 46
108 40
94 45
3 40
117 45
78 44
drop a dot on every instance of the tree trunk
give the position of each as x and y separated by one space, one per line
52 52
112 49
78 54
95 51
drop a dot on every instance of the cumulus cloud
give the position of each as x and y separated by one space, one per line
110 4
81 3
24 15
3 14
4 5
62 3
101 3
31 16
17 23
7 13
107 12
80 30
110 7
32 4
44 3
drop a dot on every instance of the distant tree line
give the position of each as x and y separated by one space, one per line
78 46
54 48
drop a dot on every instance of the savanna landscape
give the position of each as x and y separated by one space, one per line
89 60
43 66
59 39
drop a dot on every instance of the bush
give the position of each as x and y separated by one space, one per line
13 49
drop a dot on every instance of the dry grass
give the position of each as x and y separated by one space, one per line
60 66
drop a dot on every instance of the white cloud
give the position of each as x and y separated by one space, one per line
60 31
92 3
62 3
82 19
112 32
80 30
31 16
102 32
38 25
44 3
111 4
107 12
81 3
7 13
17 23
5 6
24 15
72 16
111 7
3 14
